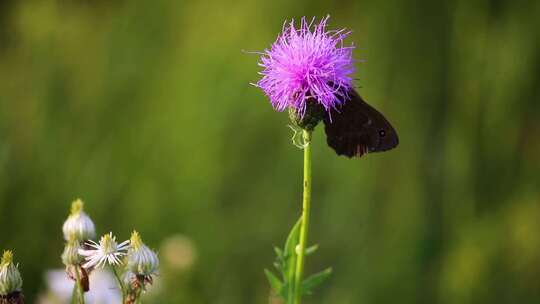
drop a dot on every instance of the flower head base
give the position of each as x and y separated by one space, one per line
107 251
136 282
10 278
308 63
78 223
71 255
142 260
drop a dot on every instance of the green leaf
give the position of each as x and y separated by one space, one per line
275 283
315 280
285 294
292 239
289 263
310 250
279 252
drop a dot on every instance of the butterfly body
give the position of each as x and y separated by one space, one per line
355 128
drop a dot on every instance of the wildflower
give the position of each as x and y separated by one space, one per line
78 224
10 278
309 71
142 264
107 251
141 259
309 63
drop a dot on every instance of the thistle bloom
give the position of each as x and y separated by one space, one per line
10 278
78 223
141 259
308 62
107 251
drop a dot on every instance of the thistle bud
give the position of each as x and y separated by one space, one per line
142 261
10 278
78 224
71 255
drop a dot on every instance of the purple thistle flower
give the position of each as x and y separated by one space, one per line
308 62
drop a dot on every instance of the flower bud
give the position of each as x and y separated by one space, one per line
71 255
141 259
78 224
10 278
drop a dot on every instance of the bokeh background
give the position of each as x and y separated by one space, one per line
144 110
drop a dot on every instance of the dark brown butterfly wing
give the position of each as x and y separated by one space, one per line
356 128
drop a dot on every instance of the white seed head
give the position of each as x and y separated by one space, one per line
78 224
141 259
106 252
10 278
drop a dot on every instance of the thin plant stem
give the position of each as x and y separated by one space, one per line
77 289
120 283
74 295
138 296
304 226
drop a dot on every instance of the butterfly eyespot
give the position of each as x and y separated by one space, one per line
382 133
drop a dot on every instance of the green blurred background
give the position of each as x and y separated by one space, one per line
144 110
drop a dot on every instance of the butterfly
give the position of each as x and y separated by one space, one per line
355 128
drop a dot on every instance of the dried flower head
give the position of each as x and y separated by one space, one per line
10 278
78 223
141 259
107 251
309 62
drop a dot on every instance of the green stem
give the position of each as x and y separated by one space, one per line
120 283
77 289
138 301
74 295
304 228
138 296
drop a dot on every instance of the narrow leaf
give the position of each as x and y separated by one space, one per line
310 250
289 263
315 280
279 252
275 283
292 239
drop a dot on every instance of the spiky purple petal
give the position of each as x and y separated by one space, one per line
307 62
